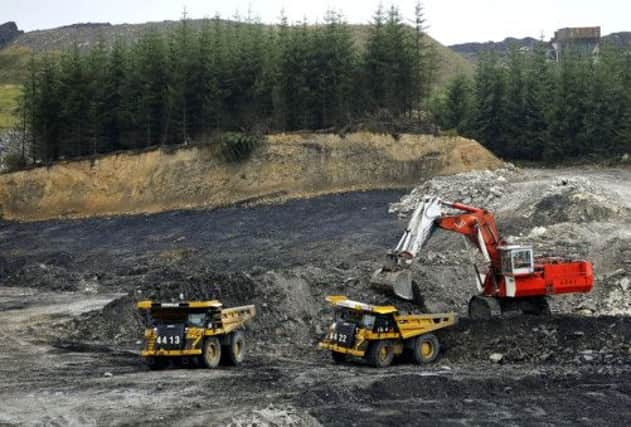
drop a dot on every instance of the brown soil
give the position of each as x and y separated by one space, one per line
286 166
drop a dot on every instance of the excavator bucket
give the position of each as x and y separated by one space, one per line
400 282
396 273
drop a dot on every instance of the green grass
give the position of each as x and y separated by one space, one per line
13 64
9 94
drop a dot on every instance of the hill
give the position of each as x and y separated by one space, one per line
86 35
19 46
472 51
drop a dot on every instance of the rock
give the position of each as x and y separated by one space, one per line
587 305
108 375
538 232
8 32
496 357
584 312
624 283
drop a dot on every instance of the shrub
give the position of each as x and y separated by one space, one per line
237 147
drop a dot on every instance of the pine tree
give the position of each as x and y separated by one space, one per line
73 88
334 70
489 123
399 64
29 105
47 107
570 107
96 92
181 93
151 85
515 137
375 60
424 58
117 105
457 105
623 132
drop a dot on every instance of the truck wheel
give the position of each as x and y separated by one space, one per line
156 363
380 353
338 357
426 348
235 349
211 352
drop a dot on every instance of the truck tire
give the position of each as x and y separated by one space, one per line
211 352
380 353
235 349
426 349
338 357
156 363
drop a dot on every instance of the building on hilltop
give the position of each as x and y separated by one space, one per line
585 40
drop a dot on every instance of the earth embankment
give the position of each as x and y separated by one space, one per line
285 166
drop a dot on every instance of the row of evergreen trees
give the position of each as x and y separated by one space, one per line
220 76
532 108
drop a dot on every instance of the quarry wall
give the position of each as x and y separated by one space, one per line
284 166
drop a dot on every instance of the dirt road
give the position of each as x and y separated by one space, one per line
63 363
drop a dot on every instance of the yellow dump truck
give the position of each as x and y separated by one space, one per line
200 332
379 333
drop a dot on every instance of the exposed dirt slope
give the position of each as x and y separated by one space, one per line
286 166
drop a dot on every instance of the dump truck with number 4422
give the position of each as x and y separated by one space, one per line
199 333
380 333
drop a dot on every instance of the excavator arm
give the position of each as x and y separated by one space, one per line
477 225
513 273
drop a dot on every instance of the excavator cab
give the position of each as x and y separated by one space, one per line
516 260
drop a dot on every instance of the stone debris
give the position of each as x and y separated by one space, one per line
496 357
478 188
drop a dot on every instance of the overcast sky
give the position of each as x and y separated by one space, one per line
450 21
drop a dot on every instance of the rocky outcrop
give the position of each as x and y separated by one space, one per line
8 32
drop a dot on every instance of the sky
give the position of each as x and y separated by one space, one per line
449 21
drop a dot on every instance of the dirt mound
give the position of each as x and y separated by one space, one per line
564 215
287 310
286 166
521 203
478 188
540 340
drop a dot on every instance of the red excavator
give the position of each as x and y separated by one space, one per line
515 280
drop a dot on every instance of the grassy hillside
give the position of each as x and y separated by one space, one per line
13 62
9 94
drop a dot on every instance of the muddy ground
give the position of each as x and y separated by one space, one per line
70 334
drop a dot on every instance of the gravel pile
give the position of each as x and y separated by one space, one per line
478 188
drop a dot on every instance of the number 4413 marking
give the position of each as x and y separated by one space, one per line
173 340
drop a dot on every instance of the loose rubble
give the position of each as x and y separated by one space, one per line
569 215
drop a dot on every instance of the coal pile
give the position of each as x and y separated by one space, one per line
560 340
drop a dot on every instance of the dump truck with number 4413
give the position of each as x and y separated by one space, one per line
380 333
198 333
